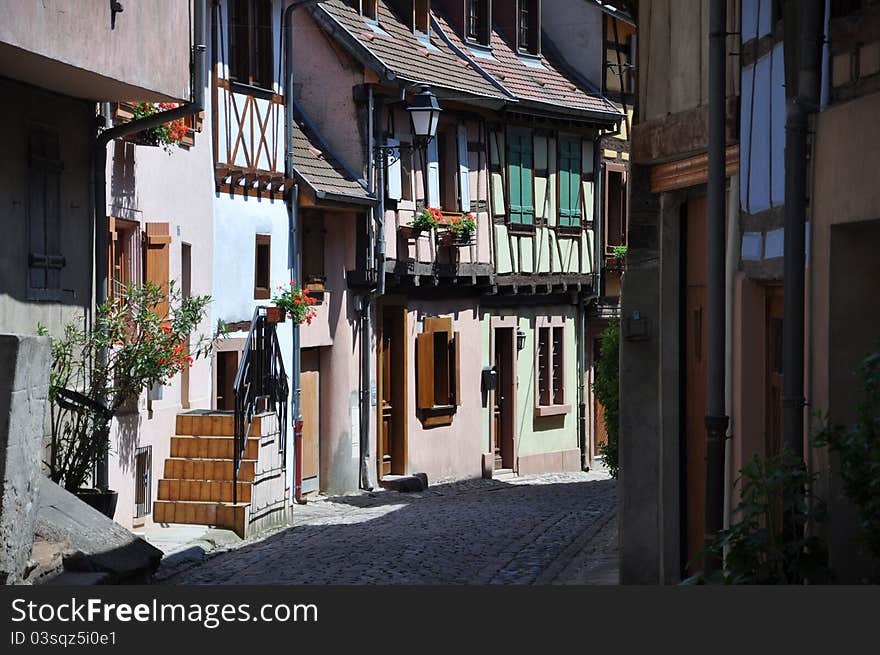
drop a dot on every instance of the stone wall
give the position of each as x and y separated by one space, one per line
24 389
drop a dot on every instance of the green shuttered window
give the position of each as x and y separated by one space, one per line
569 182
520 164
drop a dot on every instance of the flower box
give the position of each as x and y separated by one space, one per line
275 315
452 239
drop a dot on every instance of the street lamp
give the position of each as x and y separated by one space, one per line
424 113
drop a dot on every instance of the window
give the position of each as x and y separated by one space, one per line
438 355
477 24
550 355
313 252
262 261
521 192
528 20
615 207
125 254
45 260
251 60
569 182
406 172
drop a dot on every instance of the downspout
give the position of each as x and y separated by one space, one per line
293 250
366 302
716 419
380 194
99 172
802 72
730 272
580 340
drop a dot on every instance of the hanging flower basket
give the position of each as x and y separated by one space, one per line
165 135
275 314
452 239
296 302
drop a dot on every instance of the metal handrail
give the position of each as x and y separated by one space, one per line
260 384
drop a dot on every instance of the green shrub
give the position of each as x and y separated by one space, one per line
767 543
858 450
607 389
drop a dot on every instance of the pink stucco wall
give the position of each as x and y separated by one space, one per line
452 451
323 81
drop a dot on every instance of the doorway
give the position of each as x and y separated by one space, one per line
310 408
773 332
393 384
695 335
503 402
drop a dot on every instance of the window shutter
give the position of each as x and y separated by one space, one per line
394 174
433 174
45 260
569 182
464 183
456 368
522 210
158 246
425 370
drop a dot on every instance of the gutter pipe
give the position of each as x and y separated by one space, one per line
729 274
294 262
198 76
803 27
716 419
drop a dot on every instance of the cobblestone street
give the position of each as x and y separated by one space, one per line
548 529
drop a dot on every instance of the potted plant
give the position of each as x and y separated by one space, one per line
134 344
165 135
459 230
619 253
426 220
296 302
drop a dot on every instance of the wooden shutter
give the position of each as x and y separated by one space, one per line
433 173
158 246
394 174
438 324
425 370
456 368
45 260
464 183
569 182
522 209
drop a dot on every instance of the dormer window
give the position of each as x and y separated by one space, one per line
528 27
422 15
477 21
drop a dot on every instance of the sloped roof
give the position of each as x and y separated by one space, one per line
395 46
534 79
315 164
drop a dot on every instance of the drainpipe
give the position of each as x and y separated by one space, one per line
99 171
367 298
730 271
580 340
293 250
802 24
716 420
380 192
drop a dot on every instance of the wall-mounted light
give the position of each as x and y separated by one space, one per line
520 339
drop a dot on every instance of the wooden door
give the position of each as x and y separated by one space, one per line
503 405
773 332
392 392
600 434
695 379
185 292
227 368
310 385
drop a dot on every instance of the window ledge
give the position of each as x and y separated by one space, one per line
437 416
552 410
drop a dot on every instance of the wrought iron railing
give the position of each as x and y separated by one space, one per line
260 386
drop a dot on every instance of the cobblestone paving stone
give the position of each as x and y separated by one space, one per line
558 529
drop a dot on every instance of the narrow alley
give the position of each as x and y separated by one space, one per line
554 528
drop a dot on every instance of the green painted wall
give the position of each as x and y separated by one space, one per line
539 434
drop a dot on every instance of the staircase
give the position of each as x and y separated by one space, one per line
197 487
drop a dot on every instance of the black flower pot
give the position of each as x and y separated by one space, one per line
102 500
